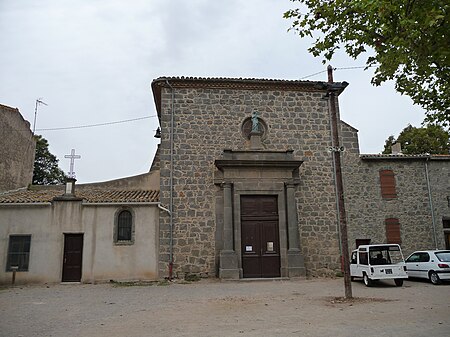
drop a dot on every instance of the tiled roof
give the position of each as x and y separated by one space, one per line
404 156
248 83
230 79
88 196
241 84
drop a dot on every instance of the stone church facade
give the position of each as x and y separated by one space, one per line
263 204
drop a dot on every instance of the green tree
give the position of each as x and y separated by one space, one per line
46 170
407 41
432 139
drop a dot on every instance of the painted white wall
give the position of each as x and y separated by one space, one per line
102 259
106 260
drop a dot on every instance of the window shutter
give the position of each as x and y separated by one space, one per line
393 231
387 182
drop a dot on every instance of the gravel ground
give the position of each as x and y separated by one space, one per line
212 308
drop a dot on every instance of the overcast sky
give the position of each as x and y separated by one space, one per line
92 62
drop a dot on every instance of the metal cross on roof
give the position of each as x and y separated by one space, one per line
72 157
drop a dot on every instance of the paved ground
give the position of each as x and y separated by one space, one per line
212 308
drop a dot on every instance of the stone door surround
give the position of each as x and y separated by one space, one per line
258 172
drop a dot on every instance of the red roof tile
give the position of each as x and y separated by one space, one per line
404 156
88 196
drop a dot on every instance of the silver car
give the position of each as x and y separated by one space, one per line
430 264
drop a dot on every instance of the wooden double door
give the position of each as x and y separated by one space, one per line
260 236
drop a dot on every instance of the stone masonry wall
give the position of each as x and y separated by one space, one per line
367 210
207 121
439 172
16 150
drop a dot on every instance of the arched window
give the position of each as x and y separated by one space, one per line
124 227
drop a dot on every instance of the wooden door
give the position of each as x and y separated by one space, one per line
73 257
260 236
446 225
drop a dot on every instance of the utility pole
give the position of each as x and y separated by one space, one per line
336 150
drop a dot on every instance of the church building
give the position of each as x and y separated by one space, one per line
242 186
248 178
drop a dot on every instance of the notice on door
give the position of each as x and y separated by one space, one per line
270 246
249 248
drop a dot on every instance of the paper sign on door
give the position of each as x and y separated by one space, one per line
270 246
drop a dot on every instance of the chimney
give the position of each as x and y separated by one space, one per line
396 148
70 187
69 192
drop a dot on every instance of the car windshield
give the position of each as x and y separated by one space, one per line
443 256
385 255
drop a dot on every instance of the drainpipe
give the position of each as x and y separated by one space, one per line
430 201
171 182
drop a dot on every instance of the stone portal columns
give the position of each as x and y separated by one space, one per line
296 265
228 268
227 217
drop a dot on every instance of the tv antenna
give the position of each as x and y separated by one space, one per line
38 102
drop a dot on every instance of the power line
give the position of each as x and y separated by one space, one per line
357 67
151 116
95 125
339 68
320 72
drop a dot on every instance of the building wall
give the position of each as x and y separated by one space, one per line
145 181
207 121
16 150
367 210
439 173
412 205
102 259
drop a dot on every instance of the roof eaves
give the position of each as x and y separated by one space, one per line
86 196
391 157
244 83
403 157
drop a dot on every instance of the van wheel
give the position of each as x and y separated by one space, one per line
434 278
398 282
367 280
352 278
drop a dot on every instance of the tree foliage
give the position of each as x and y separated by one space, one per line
432 139
408 41
46 170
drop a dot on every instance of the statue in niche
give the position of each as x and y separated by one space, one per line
255 122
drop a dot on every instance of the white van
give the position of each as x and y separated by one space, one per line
378 262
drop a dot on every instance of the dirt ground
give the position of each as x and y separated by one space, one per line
212 308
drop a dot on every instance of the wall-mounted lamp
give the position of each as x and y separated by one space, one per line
158 133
